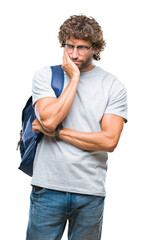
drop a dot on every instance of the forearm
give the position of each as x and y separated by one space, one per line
90 141
106 140
53 113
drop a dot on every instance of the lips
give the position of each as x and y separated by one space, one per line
76 62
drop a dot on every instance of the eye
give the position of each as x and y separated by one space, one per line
82 47
69 46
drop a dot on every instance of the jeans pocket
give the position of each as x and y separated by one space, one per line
38 190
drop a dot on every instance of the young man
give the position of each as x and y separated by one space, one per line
69 175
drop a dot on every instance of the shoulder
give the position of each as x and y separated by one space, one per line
42 73
42 77
110 81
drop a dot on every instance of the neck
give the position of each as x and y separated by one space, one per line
90 67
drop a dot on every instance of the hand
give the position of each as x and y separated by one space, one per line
36 127
69 66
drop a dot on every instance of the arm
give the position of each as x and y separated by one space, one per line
106 140
51 111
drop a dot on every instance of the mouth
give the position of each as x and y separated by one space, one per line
76 62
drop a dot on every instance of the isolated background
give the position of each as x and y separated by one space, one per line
28 41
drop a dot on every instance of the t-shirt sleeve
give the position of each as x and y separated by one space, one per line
117 102
41 84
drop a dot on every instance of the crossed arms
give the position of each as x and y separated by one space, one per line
51 111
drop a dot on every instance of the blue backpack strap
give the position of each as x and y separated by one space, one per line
57 81
30 139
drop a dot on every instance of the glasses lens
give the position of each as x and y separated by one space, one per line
69 48
82 50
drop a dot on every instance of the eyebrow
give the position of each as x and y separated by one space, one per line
78 45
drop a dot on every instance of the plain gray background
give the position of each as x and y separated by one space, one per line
29 30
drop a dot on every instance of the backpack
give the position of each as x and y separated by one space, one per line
29 139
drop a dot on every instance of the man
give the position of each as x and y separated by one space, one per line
69 174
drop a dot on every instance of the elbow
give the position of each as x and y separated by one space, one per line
111 146
110 149
48 125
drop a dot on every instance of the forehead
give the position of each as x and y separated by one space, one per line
77 42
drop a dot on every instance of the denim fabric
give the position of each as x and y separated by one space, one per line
50 210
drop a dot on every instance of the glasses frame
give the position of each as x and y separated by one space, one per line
78 47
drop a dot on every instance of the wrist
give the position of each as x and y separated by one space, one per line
57 131
61 132
65 133
75 77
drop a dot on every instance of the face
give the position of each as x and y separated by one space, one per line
84 62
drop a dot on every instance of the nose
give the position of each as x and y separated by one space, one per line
74 53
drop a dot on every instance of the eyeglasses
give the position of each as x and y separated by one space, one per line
82 50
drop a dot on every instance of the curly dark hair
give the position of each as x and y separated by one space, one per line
82 27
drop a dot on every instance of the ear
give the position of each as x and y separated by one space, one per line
95 51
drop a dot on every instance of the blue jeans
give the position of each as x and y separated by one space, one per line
50 210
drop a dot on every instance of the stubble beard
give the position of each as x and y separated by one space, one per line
86 63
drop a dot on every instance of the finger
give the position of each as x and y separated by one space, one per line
64 60
34 124
35 130
64 56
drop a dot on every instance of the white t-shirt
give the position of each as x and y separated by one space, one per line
61 165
